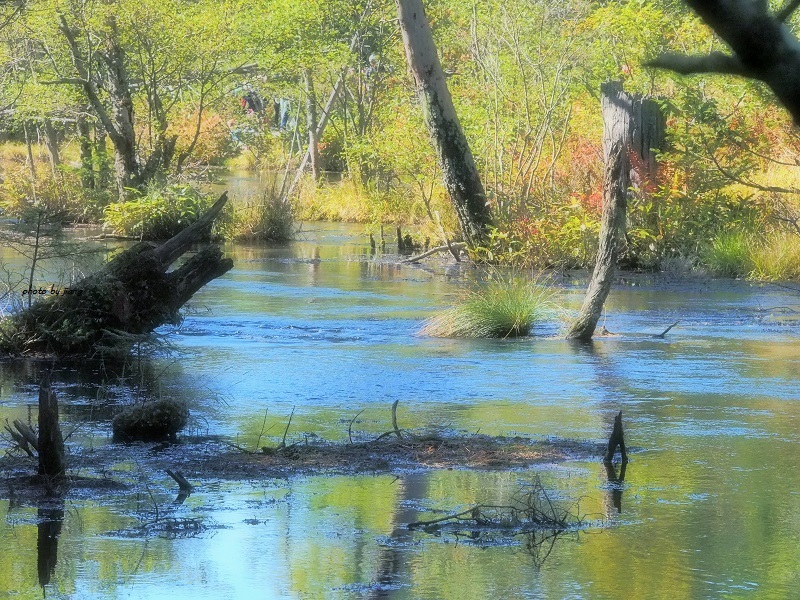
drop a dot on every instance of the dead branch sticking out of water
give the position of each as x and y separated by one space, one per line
663 334
183 484
350 426
23 437
395 429
453 249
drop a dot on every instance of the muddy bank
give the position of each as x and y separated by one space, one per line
115 467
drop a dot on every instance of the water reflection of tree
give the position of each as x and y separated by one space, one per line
51 519
392 560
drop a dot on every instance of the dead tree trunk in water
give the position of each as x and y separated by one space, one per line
632 128
51 443
460 174
131 296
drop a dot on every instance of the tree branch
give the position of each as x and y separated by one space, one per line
66 80
715 62
787 11
84 80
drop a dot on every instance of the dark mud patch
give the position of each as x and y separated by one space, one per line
385 455
102 470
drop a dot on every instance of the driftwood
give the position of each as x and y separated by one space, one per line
107 312
183 484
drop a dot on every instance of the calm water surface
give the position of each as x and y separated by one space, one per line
710 507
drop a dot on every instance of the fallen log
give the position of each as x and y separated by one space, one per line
107 312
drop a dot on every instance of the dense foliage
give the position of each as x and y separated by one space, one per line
206 81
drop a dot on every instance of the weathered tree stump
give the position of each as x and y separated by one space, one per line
50 443
616 439
107 312
633 127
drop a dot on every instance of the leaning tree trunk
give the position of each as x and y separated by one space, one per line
458 166
764 47
632 128
131 296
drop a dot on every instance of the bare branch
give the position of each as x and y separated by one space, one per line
66 80
715 62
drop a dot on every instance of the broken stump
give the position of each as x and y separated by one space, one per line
50 443
109 311
617 439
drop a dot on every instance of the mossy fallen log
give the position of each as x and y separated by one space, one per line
107 312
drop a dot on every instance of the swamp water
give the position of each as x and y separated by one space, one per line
710 506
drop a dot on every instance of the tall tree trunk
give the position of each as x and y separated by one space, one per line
323 122
51 141
29 150
87 167
632 128
119 120
458 166
101 156
311 119
127 167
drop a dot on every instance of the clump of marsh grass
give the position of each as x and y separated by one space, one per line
268 217
730 254
777 259
500 308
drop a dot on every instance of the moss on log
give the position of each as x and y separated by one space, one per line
107 312
152 421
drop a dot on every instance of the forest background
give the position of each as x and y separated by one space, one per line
121 112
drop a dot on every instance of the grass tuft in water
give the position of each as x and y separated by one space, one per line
267 218
503 307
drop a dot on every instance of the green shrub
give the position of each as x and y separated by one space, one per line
159 214
62 195
729 255
503 307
